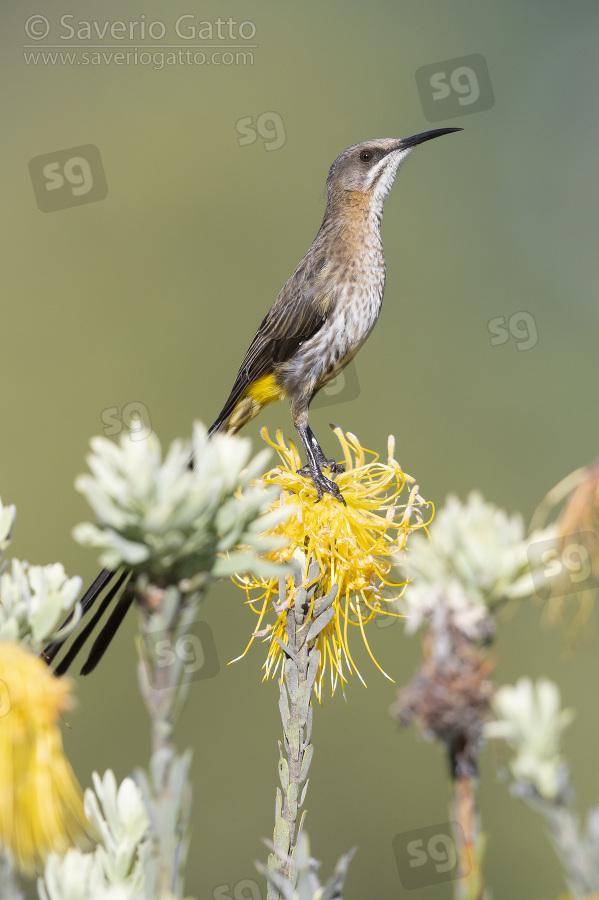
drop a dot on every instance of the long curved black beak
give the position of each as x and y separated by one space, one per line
406 143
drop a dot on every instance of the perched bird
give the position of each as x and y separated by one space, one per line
329 306
317 324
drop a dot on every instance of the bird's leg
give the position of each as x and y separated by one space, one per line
322 461
315 460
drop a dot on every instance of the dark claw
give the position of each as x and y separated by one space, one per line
322 484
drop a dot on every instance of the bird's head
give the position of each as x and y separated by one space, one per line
370 168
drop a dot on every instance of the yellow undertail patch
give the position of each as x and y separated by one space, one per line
261 392
264 390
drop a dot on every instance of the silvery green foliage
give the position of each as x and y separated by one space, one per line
115 870
158 516
167 794
308 886
122 822
530 720
33 599
476 557
79 876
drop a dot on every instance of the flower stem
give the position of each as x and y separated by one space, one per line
167 790
468 838
576 851
304 621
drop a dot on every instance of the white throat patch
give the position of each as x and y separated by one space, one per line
385 171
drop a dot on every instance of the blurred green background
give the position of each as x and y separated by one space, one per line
153 293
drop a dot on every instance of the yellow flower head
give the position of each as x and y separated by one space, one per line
41 806
355 547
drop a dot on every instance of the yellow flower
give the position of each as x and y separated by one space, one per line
355 547
41 806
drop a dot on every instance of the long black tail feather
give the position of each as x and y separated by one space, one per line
106 579
87 601
85 632
109 630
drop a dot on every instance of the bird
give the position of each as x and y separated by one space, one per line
319 321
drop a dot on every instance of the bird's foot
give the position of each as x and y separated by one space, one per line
335 467
322 484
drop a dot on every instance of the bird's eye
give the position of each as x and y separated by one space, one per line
365 155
